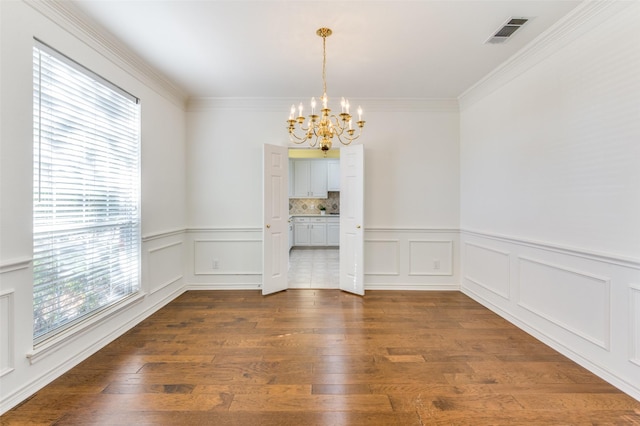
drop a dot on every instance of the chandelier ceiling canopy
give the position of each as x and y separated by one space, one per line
319 130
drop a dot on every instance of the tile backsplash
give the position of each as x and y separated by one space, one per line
310 205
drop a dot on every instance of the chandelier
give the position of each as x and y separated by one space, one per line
319 130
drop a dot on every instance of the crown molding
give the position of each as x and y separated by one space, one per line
282 105
78 24
580 20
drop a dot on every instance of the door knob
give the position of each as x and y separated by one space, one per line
358 226
268 226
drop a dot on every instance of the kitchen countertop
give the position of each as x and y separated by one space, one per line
314 215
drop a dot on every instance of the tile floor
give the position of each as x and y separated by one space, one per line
314 268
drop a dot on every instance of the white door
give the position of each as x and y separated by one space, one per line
351 219
275 241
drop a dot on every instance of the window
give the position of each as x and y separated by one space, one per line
86 215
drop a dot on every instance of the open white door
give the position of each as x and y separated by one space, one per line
351 219
275 246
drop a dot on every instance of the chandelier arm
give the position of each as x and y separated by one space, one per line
349 139
292 135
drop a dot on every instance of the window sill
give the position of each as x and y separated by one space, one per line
54 343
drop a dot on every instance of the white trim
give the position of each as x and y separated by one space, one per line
171 280
434 274
166 284
283 104
204 229
223 286
477 282
606 281
223 240
584 17
15 265
94 36
634 332
163 234
612 259
486 287
166 246
397 260
54 343
10 327
433 230
411 287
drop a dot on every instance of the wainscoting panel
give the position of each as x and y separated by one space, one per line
488 267
574 300
224 258
7 347
411 259
430 257
165 265
227 257
584 304
634 319
382 257
14 274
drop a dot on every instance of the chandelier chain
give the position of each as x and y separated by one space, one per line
324 66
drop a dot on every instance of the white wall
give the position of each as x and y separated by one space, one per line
163 195
411 187
550 190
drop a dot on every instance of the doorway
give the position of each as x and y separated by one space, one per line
347 227
314 208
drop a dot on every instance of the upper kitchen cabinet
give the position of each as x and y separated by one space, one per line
333 172
309 178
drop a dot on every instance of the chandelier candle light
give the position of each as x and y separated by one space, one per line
320 129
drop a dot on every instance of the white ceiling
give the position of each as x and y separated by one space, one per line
268 48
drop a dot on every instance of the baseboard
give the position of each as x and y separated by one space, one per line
412 287
223 286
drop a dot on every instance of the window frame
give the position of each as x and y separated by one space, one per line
134 276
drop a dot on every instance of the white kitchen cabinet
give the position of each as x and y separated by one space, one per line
333 175
309 178
301 233
333 231
291 178
316 231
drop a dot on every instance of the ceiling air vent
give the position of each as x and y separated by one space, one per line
506 30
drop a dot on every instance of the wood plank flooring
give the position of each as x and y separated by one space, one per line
324 357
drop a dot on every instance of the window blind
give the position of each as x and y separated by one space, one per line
86 216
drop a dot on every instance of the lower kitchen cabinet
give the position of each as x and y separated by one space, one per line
333 231
318 234
301 234
316 231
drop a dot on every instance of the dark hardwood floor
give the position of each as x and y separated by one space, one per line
324 357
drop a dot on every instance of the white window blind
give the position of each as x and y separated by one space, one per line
86 216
